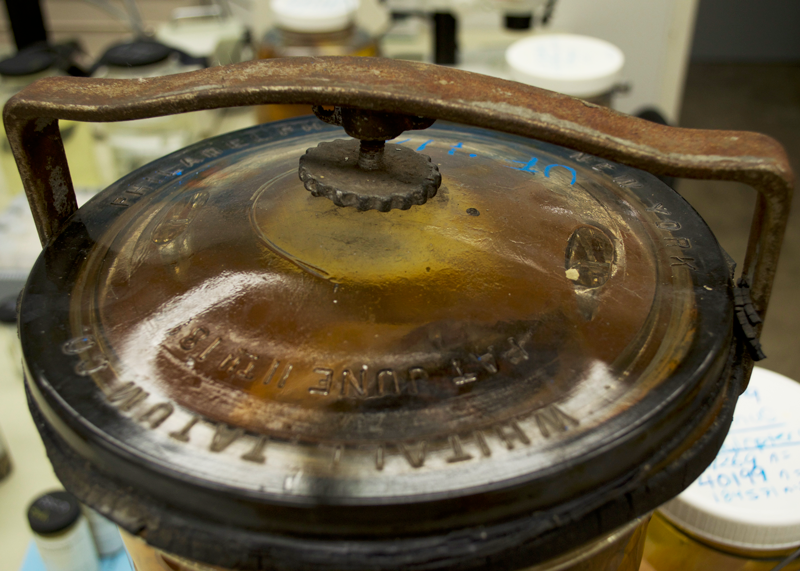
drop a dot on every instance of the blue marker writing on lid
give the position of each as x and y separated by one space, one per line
570 169
526 167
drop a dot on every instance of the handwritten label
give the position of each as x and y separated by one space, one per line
758 467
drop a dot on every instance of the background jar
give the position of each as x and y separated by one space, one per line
62 533
743 513
312 28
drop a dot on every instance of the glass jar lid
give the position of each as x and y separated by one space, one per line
237 349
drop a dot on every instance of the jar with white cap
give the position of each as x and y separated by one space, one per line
62 534
580 66
743 513
312 28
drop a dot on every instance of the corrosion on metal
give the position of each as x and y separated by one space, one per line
398 179
367 125
407 88
362 174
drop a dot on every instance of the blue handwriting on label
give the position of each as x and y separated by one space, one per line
758 461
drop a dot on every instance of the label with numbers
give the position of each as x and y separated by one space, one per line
751 492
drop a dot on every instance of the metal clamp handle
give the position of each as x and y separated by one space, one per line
31 119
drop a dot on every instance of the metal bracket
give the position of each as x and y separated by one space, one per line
412 89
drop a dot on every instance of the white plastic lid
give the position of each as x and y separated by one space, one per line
750 495
576 65
314 15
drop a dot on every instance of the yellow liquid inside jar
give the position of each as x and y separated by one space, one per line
620 550
279 43
669 548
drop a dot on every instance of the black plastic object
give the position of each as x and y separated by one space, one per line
518 21
142 52
53 512
136 53
28 61
445 38
41 57
27 22
8 309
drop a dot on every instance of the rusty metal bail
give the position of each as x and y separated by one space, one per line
365 172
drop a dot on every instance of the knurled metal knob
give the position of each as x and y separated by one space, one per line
365 172
395 178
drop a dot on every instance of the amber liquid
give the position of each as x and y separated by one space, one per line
669 548
619 551
282 43
428 286
375 281
146 558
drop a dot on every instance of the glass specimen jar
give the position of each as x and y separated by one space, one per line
438 346
311 28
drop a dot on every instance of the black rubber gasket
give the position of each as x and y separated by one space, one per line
504 546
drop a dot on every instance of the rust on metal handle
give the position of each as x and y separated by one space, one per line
31 119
